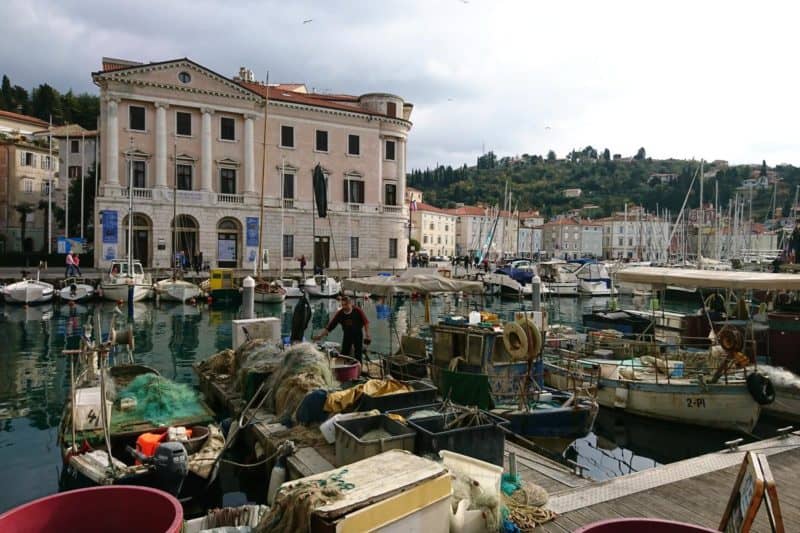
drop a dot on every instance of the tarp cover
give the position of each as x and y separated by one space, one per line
709 279
419 283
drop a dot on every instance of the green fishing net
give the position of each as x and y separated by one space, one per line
159 401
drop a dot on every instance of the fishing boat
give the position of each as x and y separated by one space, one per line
558 280
122 274
222 288
321 286
126 424
28 291
269 293
291 286
75 290
176 290
715 388
594 280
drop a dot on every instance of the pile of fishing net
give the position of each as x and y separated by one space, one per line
302 369
291 512
524 505
219 364
257 356
160 401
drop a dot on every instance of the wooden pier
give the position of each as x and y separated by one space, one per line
694 490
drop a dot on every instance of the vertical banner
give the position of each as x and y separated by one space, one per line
252 231
109 223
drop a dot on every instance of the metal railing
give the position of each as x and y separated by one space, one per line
230 198
138 193
288 203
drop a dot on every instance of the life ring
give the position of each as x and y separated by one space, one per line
533 334
761 388
515 341
731 339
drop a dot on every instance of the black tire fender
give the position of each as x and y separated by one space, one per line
761 388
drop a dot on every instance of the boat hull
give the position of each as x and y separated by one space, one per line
177 291
270 297
722 406
81 293
786 405
555 422
119 291
562 289
225 298
28 292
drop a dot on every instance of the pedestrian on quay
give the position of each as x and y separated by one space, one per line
353 321
70 266
302 266
76 263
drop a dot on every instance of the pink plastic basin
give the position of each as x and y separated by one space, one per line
121 509
639 525
345 368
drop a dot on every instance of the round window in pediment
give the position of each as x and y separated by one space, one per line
184 77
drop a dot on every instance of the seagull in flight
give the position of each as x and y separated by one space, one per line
307 21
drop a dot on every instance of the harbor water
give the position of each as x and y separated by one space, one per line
34 380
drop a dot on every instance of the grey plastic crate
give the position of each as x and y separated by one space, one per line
351 447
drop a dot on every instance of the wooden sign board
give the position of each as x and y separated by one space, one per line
754 484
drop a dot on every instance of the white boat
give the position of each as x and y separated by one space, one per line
74 291
726 404
558 280
322 286
28 291
269 293
176 290
291 286
594 280
504 285
115 284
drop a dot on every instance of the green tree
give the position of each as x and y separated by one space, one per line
763 168
551 155
641 155
606 155
24 209
46 103
5 94
413 245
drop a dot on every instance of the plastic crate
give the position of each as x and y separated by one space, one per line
485 442
351 447
408 411
423 394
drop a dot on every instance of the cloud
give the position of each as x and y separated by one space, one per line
684 79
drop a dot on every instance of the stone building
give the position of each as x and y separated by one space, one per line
435 230
178 128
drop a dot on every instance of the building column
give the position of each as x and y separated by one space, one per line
249 156
161 145
401 170
205 151
111 172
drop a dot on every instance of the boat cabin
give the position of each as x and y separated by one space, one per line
221 278
119 267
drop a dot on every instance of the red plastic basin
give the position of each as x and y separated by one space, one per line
345 368
121 509
639 525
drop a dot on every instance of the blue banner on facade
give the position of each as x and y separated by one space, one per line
252 231
109 227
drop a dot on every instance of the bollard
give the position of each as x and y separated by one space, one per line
248 297
536 295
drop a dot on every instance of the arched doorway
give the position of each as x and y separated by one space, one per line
142 231
185 235
228 239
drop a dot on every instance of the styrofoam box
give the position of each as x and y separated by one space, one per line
87 409
487 474
268 328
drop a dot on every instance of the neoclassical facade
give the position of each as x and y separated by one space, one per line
201 145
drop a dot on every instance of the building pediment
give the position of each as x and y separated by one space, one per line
186 157
227 162
182 75
287 167
353 174
137 154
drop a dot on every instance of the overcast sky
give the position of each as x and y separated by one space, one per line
717 80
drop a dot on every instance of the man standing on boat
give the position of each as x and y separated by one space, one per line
352 320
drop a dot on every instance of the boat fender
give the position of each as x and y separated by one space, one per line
515 341
761 388
533 333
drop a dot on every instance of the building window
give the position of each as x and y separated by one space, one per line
390 194
227 180
390 150
184 173
391 109
27 185
288 246
392 248
354 247
139 177
30 159
74 147
619 241
136 118
74 172
287 137
322 141
184 77
447 227
288 186
425 239
227 129
353 145
183 123
353 191
46 187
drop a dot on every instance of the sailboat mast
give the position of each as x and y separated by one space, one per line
130 211
174 209
260 258
283 205
700 222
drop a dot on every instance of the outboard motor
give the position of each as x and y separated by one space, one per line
171 464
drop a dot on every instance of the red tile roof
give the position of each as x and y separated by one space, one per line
563 222
23 118
422 206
